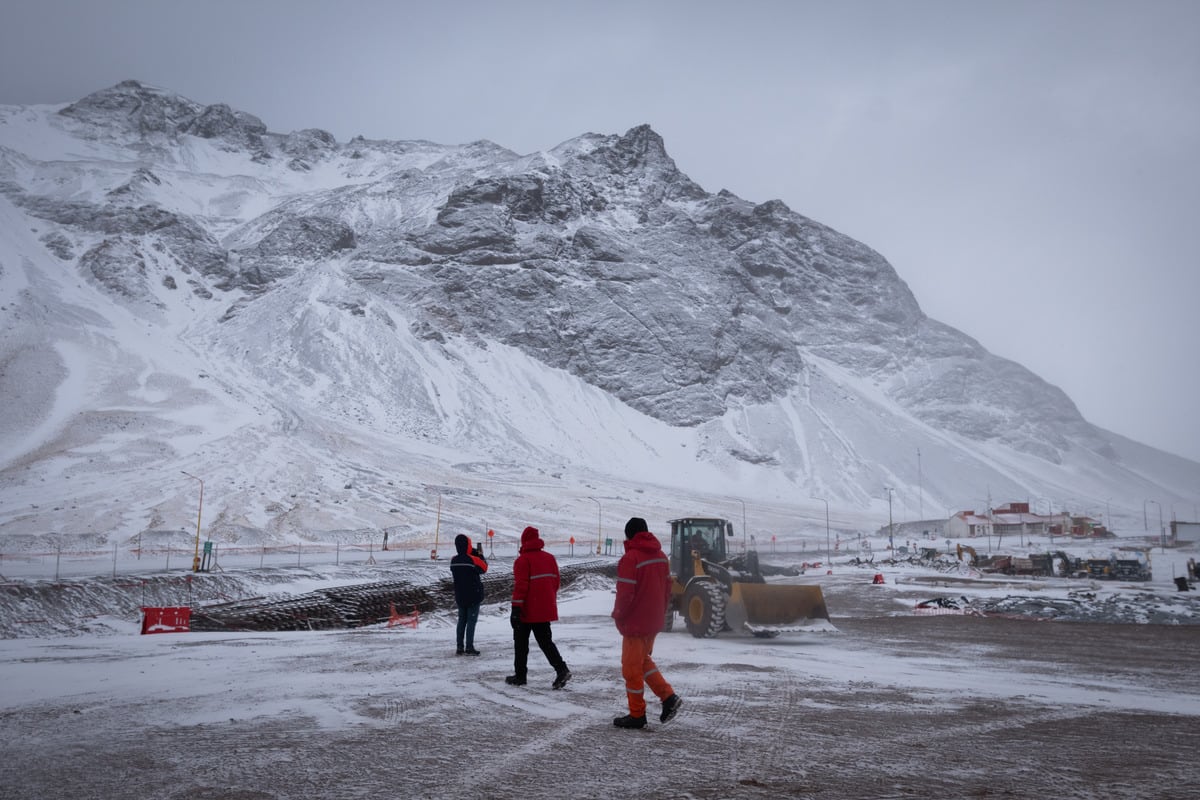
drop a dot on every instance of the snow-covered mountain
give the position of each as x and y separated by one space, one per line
339 337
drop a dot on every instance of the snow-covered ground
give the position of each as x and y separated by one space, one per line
891 705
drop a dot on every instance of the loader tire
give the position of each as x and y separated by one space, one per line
668 620
704 609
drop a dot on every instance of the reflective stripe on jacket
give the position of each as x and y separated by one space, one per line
643 587
466 569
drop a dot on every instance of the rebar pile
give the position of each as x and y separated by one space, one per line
357 605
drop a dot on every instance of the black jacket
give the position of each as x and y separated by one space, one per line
466 567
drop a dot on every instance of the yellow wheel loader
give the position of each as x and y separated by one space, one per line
714 592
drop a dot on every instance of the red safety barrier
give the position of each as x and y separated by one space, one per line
409 620
173 619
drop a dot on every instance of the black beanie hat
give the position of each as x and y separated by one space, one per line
635 526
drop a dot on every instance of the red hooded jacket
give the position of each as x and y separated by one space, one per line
535 581
643 586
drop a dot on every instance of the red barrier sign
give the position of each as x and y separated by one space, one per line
174 619
411 620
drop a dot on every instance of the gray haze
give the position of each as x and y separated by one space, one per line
1030 169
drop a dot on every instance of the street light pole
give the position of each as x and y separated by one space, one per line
437 529
599 511
1161 530
199 511
1162 537
828 551
920 489
745 544
891 543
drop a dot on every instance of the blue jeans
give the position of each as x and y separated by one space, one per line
467 617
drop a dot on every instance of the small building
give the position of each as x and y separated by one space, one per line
1185 533
917 529
1013 521
1083 527
968 524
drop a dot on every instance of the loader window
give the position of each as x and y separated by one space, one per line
706 535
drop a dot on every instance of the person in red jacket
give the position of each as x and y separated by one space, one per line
643 591
534 607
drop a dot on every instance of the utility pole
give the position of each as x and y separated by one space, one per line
199 511
599 512
989 519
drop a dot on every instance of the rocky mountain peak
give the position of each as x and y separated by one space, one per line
145 110
219 121
136 106
434 295
639 148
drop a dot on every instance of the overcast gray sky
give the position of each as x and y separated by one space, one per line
1031 169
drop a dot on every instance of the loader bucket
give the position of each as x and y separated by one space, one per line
767 608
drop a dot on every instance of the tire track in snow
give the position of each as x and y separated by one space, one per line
550 720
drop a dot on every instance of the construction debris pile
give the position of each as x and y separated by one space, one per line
1078 606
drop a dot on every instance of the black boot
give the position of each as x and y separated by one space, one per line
670 708
630 721
560 680
515 680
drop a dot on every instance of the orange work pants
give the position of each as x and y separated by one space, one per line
639 671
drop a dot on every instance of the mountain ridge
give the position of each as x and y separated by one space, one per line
368 286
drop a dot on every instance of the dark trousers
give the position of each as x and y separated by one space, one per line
465 633
545 639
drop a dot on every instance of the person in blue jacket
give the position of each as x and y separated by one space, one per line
466 567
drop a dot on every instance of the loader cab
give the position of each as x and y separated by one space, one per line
704 534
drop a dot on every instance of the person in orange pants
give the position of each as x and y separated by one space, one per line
643 591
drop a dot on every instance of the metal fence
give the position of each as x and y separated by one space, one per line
124 559
65 562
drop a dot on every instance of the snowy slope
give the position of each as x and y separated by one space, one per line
333 335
